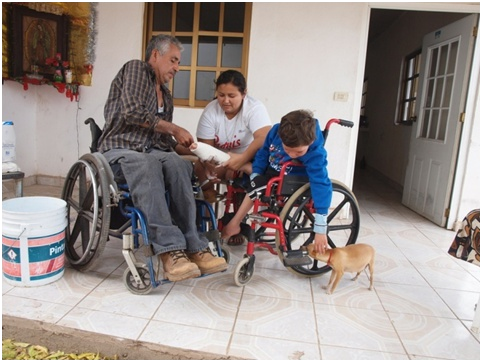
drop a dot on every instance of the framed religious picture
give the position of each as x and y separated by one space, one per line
35 37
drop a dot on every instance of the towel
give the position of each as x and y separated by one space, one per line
9 167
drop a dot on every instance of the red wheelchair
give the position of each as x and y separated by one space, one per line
282 220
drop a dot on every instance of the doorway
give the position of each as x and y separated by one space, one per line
383 145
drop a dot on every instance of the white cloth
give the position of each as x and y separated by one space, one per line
234 135
208 153
9 167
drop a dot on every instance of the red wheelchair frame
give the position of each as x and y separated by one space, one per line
286 227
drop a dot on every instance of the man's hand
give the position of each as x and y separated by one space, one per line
182 136
321 243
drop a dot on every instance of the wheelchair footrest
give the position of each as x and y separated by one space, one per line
296 258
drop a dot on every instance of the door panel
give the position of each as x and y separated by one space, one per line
446 56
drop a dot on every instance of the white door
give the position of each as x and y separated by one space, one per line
446 59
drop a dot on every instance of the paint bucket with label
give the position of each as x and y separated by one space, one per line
33 240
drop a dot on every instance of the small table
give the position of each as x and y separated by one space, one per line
18 177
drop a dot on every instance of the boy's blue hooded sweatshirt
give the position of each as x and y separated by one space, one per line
272 155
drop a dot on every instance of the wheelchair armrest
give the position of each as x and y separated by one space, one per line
95 132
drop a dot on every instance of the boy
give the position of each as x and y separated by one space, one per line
298 136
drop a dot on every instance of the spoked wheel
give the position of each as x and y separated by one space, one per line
86 191
297 218
244 271
142 288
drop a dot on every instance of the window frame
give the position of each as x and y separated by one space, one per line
195 34
409 103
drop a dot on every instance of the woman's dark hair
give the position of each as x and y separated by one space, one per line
297 128
234 77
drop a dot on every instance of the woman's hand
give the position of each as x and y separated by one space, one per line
236 161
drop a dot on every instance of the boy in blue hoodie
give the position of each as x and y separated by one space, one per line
297 137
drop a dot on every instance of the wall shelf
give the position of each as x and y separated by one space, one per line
71 90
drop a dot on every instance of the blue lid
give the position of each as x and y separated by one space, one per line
7 123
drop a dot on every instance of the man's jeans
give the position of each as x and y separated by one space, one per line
149 175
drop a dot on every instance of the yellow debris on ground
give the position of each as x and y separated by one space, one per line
12 350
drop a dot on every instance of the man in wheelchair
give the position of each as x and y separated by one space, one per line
297 137
139 136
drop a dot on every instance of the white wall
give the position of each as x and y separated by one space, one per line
300 61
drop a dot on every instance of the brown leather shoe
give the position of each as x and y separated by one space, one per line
207 262
177 266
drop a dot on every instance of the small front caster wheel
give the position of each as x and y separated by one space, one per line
244 271
145 285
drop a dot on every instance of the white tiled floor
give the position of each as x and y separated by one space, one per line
421 307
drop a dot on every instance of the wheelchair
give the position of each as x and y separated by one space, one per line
285 211
99 206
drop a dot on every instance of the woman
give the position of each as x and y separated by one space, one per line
235 123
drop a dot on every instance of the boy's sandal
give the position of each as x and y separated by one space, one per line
238 239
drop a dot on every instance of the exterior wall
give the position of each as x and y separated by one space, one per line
300 55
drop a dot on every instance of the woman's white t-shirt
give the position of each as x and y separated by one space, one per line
233 135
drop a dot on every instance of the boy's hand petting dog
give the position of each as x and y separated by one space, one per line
321 243
351 258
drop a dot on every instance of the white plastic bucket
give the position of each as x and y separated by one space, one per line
33 240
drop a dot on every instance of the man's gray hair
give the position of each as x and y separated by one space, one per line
163 44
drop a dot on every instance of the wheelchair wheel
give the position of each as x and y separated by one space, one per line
244 271
86 191
297 218
226 254
145 286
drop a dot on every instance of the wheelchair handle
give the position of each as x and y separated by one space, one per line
345 123
341 122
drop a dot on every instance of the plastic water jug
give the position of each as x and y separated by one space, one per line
8 142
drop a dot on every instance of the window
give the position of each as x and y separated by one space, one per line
408 101
440 75
215 37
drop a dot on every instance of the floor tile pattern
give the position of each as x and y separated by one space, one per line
421 307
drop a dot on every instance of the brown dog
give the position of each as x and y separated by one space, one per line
351 258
